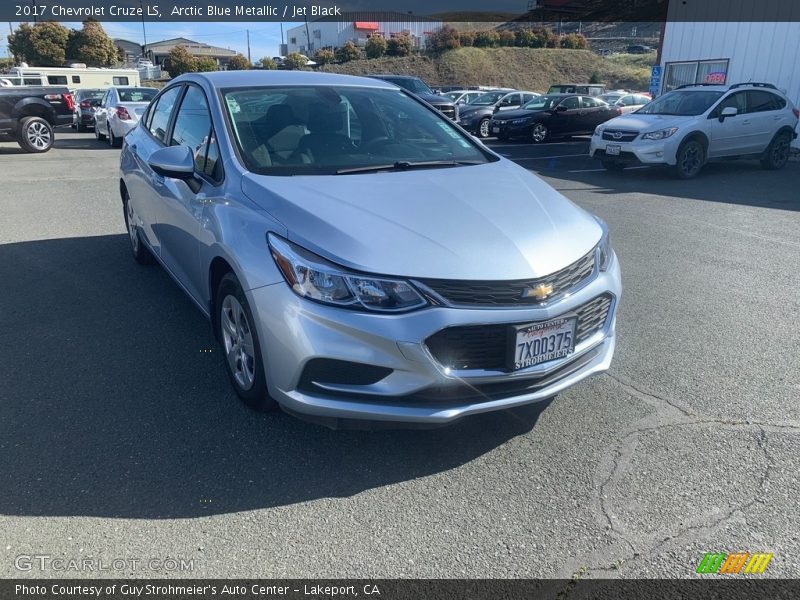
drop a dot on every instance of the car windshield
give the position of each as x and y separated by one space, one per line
136 94
487 99
326 130
542 103
416 86
681 102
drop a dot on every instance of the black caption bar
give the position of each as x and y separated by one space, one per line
525 11
393 589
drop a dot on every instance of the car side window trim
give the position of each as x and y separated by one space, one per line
154 105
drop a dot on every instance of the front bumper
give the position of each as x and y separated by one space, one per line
644 152
413 387
510 130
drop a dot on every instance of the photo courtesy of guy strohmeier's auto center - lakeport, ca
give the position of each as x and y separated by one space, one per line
400 299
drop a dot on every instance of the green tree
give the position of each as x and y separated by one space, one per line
206 64
239 63
180 61
324 56
348 52
91 45
595 78
446 38
268 64
295 61
399 45
43 44
376 46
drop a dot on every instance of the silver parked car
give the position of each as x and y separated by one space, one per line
119 112
359 255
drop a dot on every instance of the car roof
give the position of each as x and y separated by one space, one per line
258 78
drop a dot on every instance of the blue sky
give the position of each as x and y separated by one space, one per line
265 37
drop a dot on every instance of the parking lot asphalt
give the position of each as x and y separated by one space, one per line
120 437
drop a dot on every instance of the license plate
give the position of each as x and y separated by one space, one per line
536 343
612 149
495 129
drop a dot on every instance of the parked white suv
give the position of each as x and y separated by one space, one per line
693 124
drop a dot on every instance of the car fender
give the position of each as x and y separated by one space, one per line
31 106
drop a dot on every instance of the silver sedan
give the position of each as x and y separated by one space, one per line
359 255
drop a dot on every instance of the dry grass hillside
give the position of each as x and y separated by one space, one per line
532 69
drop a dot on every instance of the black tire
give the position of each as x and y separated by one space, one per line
113 140
777 153
255 395
98 136
81 127
35 135
691 157
483 128
539 133
141 253
612 165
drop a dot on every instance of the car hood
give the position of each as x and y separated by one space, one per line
486 222
641 122
517 114
469 110
434 99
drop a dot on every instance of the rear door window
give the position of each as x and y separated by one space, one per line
760 101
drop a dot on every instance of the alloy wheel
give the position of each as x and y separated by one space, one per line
539 132
132 230
780 153
484 128
38 135
238 342
691 159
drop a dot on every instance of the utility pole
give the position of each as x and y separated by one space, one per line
144 31
248 47
308 37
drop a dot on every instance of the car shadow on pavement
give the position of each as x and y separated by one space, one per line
115 404
83 143
741 182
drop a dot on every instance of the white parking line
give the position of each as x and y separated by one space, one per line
598 170
523 145
547 157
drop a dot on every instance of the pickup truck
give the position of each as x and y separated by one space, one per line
28 114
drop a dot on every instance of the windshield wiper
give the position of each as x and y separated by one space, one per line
404 165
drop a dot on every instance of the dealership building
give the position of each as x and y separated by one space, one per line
746 47
314 35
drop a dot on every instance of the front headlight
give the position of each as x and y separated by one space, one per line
311 276
661 134
598 130
604 252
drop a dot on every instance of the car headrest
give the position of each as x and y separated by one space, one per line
323 119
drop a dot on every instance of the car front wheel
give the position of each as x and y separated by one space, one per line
483 128
777 153
539 133
690 159
237 333
140 252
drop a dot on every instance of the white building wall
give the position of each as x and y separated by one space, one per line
334 34
766 52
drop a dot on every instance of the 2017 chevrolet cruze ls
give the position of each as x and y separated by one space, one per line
359 255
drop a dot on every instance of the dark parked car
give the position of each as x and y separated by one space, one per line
86 103
587 89
29 114
553 115
419 88
637 49
476 115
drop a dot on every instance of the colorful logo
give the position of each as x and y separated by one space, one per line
734 563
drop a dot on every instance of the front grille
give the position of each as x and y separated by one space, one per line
448 110
486 346
624 136
511 293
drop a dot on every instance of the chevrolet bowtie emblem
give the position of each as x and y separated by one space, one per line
541 292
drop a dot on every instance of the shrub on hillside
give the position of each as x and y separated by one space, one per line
180 61
487 39
268 64
239 63
507 38
524 38
399 45
294 61
348 52
447 38
206 64
376 46
324 56
466 38
573 41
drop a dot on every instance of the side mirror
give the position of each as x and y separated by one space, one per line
175 162
728 111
